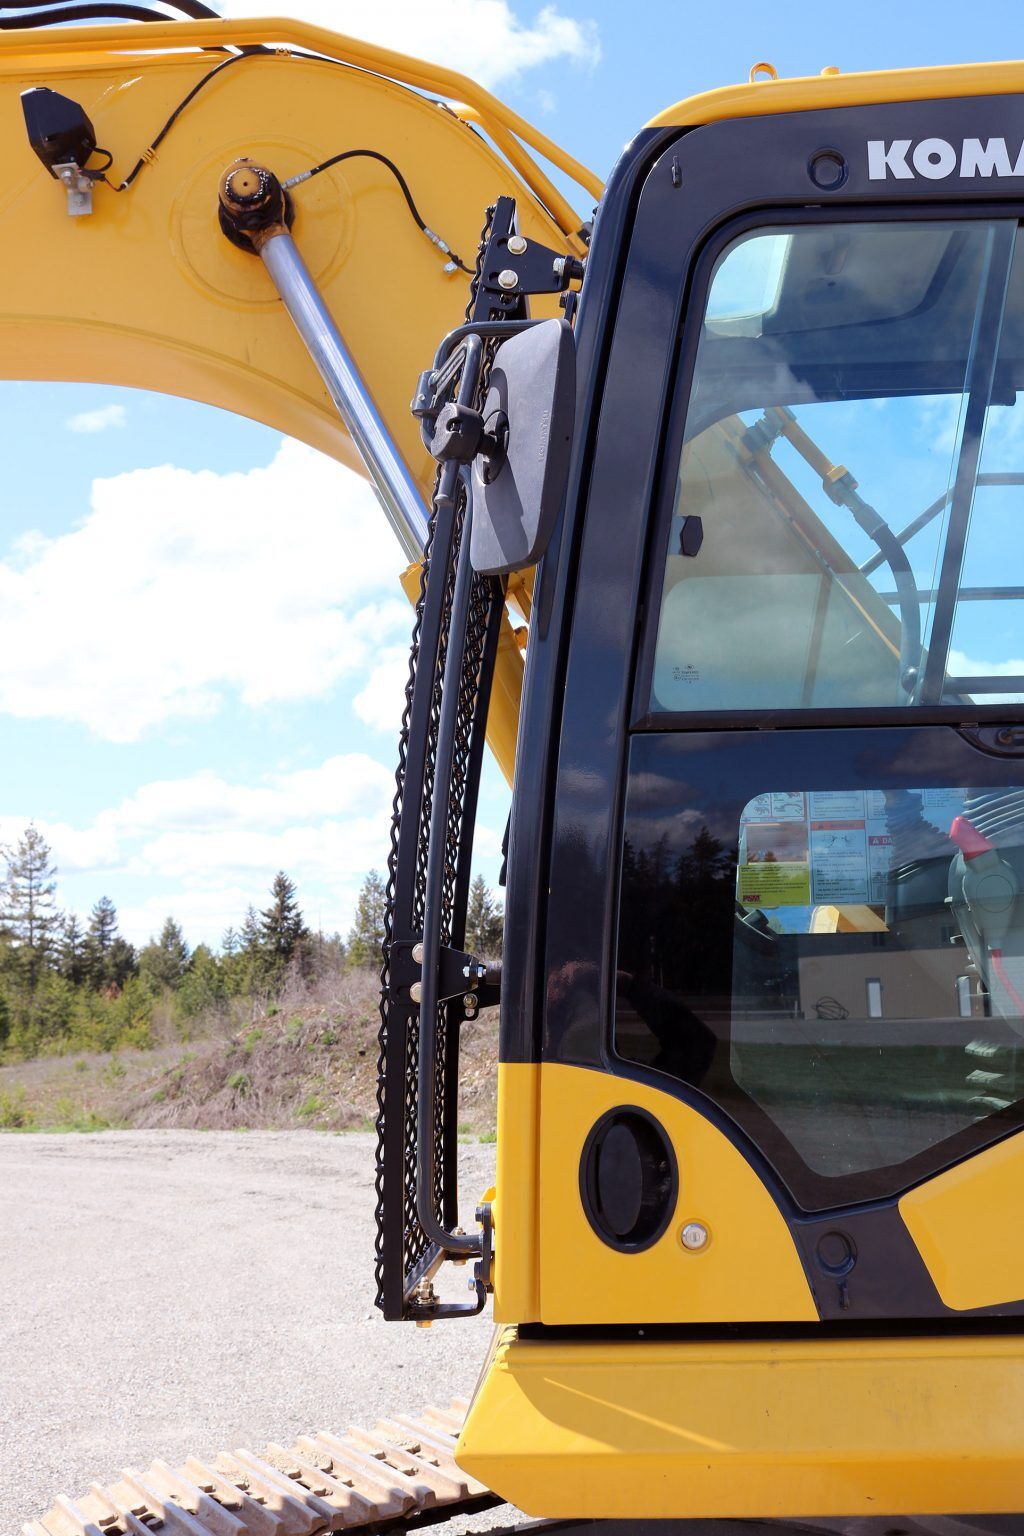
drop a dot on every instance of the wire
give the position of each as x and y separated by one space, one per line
55 14
373 154
147 154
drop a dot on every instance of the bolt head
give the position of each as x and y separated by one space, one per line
415 991
694 1236
508 278
470 1002
516 245
417 954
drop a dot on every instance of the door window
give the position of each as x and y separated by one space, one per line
845 522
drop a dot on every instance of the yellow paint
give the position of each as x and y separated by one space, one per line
816 92
750 1271
516 1285
147 292
652 1429
966 1227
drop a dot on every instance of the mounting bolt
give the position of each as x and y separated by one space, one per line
415 991
508 279
694 1236
471 1002
417 954
516 245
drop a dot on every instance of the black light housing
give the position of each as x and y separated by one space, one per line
58 129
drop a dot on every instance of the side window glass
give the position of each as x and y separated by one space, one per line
845 977
851 472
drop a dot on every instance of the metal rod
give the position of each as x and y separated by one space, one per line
982 367
1005 477
396 489
455 650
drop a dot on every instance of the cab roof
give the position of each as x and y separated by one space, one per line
809 93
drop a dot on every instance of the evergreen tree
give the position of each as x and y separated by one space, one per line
109 959
485 921
229 944
366 936
165 960
71 951
249 939
283 932
29 904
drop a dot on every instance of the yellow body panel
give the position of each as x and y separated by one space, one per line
814 93
967 1227
516 1274
653 1429
749 1271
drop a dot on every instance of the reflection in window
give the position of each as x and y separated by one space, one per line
847 980
854 454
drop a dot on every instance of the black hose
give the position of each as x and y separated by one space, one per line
43 14
895 556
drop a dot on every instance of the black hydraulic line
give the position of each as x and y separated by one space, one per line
895 556
979 391
374 154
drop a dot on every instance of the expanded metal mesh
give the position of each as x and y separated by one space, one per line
401 1244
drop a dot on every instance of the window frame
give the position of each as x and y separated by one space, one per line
641 716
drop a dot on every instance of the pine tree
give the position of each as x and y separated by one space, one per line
109 959
283 932
250 933
366 936
484 920
71 951
229 944
30 916
165 960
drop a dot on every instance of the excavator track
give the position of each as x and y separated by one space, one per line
401 1472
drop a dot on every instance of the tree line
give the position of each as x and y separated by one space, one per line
65 985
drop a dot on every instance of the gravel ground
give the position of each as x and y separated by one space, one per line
167 1292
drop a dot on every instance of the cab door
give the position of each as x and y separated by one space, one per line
781 1077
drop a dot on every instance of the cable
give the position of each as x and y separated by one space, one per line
373 154
94 10
147 154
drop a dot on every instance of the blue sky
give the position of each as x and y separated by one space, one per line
249 723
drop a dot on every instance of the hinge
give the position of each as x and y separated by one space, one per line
460 975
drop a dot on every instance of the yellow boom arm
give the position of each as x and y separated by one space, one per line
146 291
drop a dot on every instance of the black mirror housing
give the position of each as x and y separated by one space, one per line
528 414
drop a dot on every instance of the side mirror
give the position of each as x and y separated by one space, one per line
529 411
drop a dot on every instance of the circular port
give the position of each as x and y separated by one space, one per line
628 1179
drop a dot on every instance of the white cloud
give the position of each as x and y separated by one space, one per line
180 587
213 845
97 421
485 39
381 702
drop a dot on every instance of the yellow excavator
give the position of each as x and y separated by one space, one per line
708 506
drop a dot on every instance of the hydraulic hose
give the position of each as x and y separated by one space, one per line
895 557
840 487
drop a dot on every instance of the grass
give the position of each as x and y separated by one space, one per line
307 1060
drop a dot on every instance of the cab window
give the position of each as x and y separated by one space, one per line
848 494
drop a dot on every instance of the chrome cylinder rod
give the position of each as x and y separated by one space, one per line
396 489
